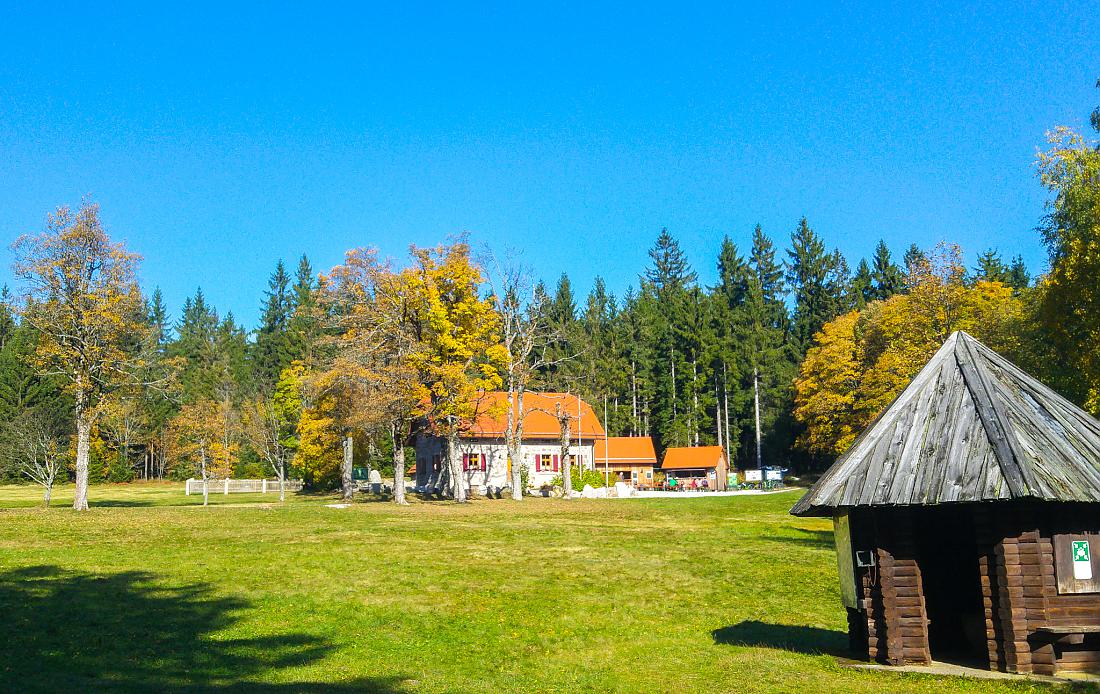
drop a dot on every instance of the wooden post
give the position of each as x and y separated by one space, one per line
227 486
263 485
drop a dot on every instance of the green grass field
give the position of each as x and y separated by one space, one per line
150 592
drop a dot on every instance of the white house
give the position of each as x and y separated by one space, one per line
485 462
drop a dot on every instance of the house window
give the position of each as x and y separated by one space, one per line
546 462
473 461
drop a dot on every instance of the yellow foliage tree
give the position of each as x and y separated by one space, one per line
861 362
459 344
83 298
201 438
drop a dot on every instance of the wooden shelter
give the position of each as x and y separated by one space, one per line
699 462
967 521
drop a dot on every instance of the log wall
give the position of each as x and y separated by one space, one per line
1015 555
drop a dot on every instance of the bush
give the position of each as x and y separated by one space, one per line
592 478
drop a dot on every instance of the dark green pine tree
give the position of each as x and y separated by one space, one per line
670 270
7 316
769 275
273 349
839 284
862 290
990 268
196 345
887 278
157 317
304 328
564 353
808 268
913 259
733 275
1018 276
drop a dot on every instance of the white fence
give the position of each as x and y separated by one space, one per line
193 486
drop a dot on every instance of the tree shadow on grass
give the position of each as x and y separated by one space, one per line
799 639
130 631
814 539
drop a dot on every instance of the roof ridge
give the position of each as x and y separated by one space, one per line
994 419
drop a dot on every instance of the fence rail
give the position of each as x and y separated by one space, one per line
230 486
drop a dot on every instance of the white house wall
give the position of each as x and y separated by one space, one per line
495 451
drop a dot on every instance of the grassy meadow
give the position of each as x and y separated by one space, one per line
150 592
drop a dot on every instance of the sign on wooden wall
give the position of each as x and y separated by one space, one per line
1075 563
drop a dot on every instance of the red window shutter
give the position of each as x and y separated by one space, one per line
556 463
482 466
465 461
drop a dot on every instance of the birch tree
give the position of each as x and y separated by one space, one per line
525 335
267 430
82 296
37 449
564 421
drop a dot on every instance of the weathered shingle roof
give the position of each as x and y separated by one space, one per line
971 426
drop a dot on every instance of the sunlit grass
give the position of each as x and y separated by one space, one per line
148 591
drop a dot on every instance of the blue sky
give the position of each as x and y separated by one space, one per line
218 140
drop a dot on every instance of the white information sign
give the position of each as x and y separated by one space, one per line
1082 560
754 476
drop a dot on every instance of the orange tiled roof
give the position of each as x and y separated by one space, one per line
539 420
637 450
693 458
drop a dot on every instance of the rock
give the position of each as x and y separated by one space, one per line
623 490
589 492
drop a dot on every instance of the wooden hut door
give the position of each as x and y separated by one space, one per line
948 558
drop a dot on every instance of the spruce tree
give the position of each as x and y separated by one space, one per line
273 350
808 268
991 268
670 270
862 289
1018 276
887 278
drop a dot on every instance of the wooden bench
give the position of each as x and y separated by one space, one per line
1069 635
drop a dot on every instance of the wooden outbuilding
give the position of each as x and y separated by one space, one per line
698 463
967 521
630 458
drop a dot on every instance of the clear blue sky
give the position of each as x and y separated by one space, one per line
219 140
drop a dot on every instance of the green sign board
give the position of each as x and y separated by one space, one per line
1082 560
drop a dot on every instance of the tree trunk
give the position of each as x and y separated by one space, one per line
454 465
566 468
83 449
346 468
205 482
398 467
515 446
282 482
47 494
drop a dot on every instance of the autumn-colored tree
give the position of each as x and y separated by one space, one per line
270 433
826 390
201 440
1070 309
368 363
861 361
458 333
83 298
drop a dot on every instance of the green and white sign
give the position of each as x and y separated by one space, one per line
1082 560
